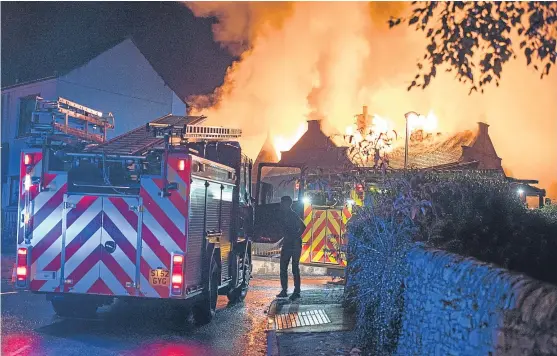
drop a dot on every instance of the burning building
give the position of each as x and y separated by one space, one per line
466 149
469 149
315 149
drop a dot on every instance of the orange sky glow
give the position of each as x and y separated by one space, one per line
326 60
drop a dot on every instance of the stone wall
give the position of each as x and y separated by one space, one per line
459 306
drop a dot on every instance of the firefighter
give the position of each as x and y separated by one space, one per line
292 228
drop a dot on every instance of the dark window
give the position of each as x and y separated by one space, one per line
14 190
5 159
26 107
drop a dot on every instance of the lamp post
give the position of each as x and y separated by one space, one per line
407 116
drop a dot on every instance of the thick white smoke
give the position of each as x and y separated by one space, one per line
326 60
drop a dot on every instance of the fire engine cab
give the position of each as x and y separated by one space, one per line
163 212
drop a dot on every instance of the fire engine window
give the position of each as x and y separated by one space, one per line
92 175
85 172
56 161
152 165
277 182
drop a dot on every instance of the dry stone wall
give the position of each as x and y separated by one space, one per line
460 306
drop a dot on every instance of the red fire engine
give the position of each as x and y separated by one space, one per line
163 212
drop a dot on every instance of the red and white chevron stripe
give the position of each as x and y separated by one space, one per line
69 243
164 228
89 267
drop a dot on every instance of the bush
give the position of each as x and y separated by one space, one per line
482 217
466 213
380 236
550 212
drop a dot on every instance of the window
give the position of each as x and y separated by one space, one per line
14 190
5 160
26 107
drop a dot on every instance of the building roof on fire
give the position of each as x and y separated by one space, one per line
316 150
465 149
432 151
470 149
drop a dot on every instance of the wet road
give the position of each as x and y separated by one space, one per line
29 327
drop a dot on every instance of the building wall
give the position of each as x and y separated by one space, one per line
123 82
459 306
120 80
12 143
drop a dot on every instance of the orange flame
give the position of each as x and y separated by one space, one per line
282 143
298 58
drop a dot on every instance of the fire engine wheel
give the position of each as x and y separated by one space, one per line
205 309
239 294
73 307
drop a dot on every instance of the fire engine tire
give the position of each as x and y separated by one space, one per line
204 311
73 307
239 294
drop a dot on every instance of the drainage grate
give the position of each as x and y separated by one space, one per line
305 318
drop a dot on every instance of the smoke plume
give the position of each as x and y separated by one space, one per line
326 60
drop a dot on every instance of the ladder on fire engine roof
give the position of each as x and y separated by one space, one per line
193 132
139 140
71 119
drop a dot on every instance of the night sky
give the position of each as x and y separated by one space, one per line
39 38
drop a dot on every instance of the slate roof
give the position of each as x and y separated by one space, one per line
65 61
57 63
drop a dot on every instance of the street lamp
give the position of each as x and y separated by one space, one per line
407 116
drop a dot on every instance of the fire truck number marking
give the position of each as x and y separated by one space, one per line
159 277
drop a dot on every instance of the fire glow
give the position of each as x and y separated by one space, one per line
282 143
420 122
298 59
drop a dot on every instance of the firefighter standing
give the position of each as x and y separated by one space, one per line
292 229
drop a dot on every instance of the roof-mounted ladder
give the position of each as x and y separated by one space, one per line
70 118
193 132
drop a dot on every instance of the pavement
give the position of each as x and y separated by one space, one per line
30 327
330 336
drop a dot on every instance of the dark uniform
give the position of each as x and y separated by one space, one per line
292 229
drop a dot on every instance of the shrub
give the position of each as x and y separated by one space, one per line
483 217
379 238
466 213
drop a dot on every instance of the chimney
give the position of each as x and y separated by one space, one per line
483 128
314 125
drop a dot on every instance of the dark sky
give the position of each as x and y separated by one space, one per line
41 37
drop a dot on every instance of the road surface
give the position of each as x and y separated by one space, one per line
30 327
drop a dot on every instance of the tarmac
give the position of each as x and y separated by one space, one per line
332 335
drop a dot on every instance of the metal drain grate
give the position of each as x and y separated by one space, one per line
305 318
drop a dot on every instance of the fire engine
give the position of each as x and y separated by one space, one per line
324 241
161 213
